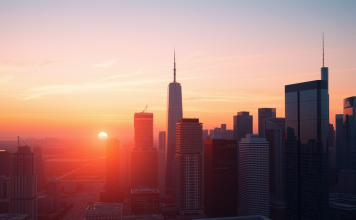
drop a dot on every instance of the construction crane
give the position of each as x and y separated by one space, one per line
145 109
18 141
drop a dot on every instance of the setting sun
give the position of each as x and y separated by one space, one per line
102 136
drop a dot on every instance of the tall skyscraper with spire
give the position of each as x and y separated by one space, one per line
174 113
324 70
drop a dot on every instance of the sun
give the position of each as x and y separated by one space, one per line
103 136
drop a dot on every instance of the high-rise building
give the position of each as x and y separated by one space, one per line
307 120
275 135
220 178
205 134
332 165
339 142
54 191
243 124
144 168
223 130
212 133
144 158
349 132
4 194
144 201
162 141
40 169
217 132
23 198
263 114
229 134
112 170
254 176
143 123
5 163
189 167
174 113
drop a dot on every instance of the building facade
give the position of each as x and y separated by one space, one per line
143 123
162 141
112 171
23 198
107 211
189 167
243 124
220 178
54 191
254 176
144 168
307 120
5 163
349 132
339 141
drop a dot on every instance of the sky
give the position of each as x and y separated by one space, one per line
77 68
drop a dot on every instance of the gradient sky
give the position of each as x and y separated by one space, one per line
76 68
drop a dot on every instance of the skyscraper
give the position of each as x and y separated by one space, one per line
23 199
54 191
339 142
174 113
223 130
275 135
40 169
144 158
307 120
243 124
189 167
349 132
263 114
254 176
5 163
112 170
162 141
331 145
220 178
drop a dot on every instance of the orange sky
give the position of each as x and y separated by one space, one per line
76 69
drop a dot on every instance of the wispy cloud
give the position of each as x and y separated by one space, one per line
136 73
4 78
88 106
105 64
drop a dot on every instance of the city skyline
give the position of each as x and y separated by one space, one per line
99 70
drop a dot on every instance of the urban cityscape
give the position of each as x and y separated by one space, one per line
65 153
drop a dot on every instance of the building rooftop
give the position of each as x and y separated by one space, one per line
143 217
144 190
104 206
14 216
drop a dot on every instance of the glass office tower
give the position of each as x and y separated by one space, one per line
349 124
307 120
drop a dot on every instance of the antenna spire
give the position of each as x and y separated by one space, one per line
323 49
174 70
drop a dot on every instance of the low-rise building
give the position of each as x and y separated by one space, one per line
111 211
144 201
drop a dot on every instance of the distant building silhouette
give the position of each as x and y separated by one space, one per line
263 114
54 191
112 171
307 121
220 178
101 210
254 176
144 158
349 132
189 167
162 141
23 199
144 201
5 163
40 169
174 113
243 124
205 134
332 157
223 130
5 188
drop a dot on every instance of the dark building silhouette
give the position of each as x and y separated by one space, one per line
339 141
174 113
4 194
54 191
220 178
349 133
189 167
307 120
243 124
263 114
223 131
144 168
5 163
144 201
40 169
162 141
332 164
23 198
112 171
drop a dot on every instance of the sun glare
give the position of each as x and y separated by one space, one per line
102 136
